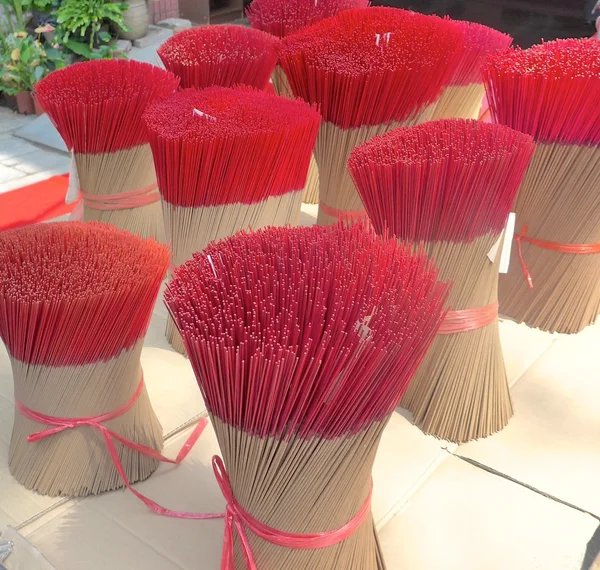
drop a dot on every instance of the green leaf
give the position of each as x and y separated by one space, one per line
104 36
38 73
80 49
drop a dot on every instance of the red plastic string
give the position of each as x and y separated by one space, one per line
237 517
62 424
342 214
123 200
469 319
572 248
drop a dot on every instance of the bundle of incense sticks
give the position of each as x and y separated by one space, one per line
282 18
228 159
97 107
549 92
302 341
463 95
220 55
369 70
75 303
449 186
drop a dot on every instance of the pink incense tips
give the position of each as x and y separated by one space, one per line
446 180
371 66
97 106
225 146
282 17
220 55
550 91
312 330
75 293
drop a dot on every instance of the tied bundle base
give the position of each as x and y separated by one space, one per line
460 102
460 391
191 229
558 202
304 486
122 171
311 188
337 191
76 462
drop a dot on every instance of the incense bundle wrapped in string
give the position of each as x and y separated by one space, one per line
369 70
97 108
223 159
302 341
464 93
75 303
220 55
449 186
282 18
551 92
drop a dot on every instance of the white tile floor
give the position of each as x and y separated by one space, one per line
435 511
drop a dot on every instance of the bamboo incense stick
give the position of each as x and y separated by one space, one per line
463 95
227 159
548 91
97 108
449 186
73 318
369 70
295 335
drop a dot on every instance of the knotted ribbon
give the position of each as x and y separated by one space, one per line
468 319
349 215
122 200
572 248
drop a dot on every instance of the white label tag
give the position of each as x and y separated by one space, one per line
508 233
73 190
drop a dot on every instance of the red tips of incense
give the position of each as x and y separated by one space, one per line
448 180
480 42
312 330
97 106
282 17
74 293
220 55
550 91
224 146
373 65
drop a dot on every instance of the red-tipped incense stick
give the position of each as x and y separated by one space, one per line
220 55
228 159
463 95
308 338
550 92
75 303
449 186
368 70
97 108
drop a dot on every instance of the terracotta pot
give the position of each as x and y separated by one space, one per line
25 104
37 106
137 17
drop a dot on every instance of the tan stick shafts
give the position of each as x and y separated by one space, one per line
304 486
76 462
122 171
459 102
460 391
559 201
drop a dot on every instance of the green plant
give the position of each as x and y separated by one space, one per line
24 61
85 17
13 20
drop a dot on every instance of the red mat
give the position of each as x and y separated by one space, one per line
35 203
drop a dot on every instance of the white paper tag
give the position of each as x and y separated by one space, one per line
73 190
508 233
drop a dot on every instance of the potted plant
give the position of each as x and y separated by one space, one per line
137 19
23 62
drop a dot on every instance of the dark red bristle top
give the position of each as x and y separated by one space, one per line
480 42
222 146
550 91
220 55
447 180
371 66
74 293
282 17
303 331
97 106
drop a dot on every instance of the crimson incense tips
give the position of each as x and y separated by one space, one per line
220 55
75 303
